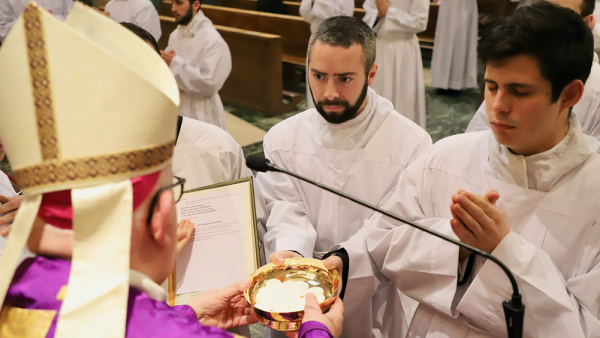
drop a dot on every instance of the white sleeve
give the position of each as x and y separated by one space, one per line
66 9
306 10
479 121
596 33
323 9
554 307
108 6
397 20
148 19
422 266
370 12
8 16
288 225
588 112
173 40
206 74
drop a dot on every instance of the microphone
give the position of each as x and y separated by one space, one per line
514 310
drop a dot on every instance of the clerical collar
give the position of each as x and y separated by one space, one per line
543 170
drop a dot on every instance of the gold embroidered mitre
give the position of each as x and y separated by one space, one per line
85 105
82 102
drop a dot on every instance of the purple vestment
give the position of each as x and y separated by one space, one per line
38 281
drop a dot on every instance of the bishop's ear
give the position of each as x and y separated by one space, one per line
160 222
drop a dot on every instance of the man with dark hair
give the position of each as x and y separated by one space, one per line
142 34
354 141
314 12
201 62
588 107
524 192
587 8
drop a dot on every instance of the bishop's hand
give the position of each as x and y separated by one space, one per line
225 307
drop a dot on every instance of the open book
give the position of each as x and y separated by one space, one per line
224 246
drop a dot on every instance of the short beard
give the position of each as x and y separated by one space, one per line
349 112
187 17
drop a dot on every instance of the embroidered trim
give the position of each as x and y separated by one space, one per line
40 83
24 323
98 167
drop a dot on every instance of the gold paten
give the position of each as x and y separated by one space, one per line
24 323
308 270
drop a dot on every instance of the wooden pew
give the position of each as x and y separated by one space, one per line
426 37
294 32
165 8
293 8
357 3
289 7
249 5
256 75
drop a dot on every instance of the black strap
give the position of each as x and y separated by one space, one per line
179 122
468 270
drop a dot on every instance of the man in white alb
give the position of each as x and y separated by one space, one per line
524 192
201 62
353 141
400 79
454 60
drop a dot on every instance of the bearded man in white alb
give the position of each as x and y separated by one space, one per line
200 61
353 141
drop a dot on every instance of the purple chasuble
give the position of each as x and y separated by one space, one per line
38 281
314 329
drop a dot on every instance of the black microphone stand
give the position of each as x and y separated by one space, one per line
514 310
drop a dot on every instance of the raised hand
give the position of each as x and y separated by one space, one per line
184 233
477 221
